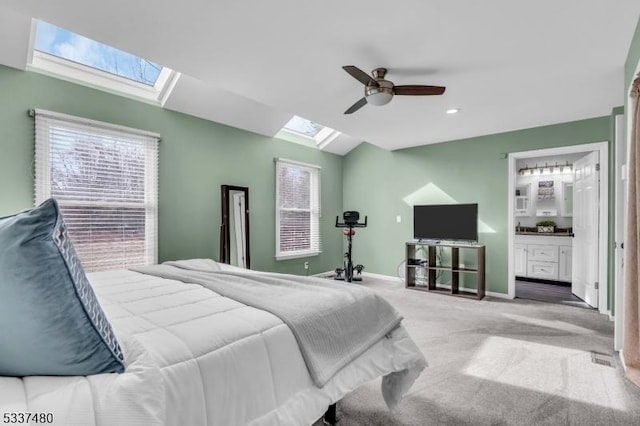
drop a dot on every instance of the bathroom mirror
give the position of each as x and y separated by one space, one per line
567 199
234 229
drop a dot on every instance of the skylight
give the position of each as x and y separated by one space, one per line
307 129
67 45
72 56
303 126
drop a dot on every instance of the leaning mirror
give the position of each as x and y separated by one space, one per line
234 229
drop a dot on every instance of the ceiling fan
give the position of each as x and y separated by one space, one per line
378 91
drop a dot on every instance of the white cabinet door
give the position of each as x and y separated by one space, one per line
521 260
564 264
543 253
543 270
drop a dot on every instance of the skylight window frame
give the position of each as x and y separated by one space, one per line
322 138
76 72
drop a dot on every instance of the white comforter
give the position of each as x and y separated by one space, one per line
197 358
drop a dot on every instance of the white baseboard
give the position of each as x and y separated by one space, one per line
621 355
498 295
364 274
382 277
398 279
486 293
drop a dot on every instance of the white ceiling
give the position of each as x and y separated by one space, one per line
252 64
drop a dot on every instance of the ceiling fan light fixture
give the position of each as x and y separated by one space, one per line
378 91
380 95
379 99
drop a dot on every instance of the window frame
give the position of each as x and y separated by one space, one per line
321 139
75 72
42 175
314 210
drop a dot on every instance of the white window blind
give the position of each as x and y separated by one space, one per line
105 179
297 209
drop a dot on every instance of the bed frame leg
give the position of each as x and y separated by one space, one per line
330 417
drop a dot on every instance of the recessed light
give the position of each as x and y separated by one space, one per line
453 111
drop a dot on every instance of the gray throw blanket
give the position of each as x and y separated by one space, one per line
333 322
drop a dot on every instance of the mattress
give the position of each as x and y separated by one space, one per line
194 357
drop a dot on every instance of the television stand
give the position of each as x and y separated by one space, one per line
426 241
432 272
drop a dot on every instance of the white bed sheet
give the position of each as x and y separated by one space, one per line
194 357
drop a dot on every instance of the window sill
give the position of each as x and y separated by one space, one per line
297 255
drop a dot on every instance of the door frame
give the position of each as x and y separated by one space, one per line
621 188
603 237
621 216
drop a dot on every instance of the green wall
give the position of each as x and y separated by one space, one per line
632 59
384 185
196 157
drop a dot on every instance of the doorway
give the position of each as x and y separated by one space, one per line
545 199
551 292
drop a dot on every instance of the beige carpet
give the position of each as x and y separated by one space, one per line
499 362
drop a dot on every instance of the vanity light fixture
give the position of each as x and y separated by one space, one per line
526 171
545 170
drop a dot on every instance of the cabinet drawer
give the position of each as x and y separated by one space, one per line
543 270
543 253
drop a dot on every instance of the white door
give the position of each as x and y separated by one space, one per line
239 225
584 270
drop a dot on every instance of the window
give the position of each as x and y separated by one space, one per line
66 54
299 126
303 126
105 179
297 209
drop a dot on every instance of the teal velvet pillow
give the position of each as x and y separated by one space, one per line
51 323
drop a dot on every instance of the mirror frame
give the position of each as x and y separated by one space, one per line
225 232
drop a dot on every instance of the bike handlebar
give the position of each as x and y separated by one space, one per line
350 225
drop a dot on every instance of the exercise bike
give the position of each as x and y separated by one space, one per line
350 221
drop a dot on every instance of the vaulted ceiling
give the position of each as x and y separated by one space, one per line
252 64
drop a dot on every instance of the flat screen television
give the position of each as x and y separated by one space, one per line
457 222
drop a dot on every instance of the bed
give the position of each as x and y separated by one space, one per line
194 356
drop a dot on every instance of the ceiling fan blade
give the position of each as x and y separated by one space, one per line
360 75
418 90
353 108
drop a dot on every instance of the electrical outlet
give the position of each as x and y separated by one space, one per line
398 219
306 265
